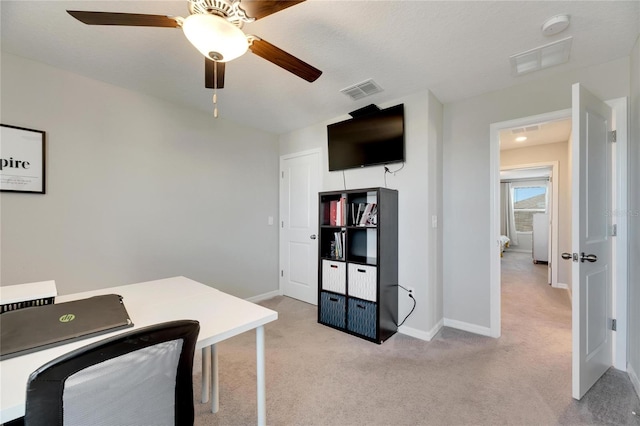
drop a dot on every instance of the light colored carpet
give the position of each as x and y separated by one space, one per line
320 376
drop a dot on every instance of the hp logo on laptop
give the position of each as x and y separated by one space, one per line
67 318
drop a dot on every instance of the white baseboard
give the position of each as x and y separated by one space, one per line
265 296
634 379
422 335
569 293
471 328
562 285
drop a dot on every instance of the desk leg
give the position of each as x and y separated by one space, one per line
215 388
261 391
206 373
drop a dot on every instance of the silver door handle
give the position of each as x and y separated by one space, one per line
312 236
566 256
588 257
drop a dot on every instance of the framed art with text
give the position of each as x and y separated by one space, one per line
22 164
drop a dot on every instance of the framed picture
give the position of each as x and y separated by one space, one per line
21 159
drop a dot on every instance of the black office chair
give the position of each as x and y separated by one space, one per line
143 377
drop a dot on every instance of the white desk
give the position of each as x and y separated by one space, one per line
221 316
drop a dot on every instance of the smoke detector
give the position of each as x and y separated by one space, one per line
556 24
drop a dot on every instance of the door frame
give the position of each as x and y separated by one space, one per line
282 196
619 254
620 246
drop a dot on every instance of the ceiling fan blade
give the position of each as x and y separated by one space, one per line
260 8
209 74
127 19
273 54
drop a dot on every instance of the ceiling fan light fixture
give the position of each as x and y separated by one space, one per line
215 37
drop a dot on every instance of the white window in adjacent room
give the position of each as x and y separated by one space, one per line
527 201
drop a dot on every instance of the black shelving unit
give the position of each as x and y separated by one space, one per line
358 262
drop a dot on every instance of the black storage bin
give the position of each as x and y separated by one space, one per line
332 309
362 317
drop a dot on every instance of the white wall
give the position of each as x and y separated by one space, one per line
547 153
467 176
634 221
137 189
420 193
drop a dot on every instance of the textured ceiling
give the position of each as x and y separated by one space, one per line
456 49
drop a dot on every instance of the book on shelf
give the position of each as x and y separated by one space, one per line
372 217
338 245
365 214
342 212
326 213
333 209
337 212
358 215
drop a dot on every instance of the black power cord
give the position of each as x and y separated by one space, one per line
386 170
414 303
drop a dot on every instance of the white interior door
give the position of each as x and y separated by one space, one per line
591 241
299 187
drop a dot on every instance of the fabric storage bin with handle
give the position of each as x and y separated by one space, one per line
362 318
362 281
332 309
334 276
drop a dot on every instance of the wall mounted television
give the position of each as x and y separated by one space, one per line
373 139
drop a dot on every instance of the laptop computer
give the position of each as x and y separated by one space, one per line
32 329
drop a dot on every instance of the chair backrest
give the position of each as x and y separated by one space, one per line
143 377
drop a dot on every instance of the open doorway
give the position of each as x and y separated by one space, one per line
535 189
508 153
528 211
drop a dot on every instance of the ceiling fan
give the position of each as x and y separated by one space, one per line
214 27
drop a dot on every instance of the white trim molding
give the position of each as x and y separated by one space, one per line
471 328
419 334
265 296
620 277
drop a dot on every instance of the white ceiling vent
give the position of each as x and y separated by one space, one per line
546 56
362 89
525 129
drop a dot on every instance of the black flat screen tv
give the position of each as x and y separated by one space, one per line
373 139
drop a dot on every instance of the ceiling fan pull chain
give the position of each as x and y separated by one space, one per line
215 89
